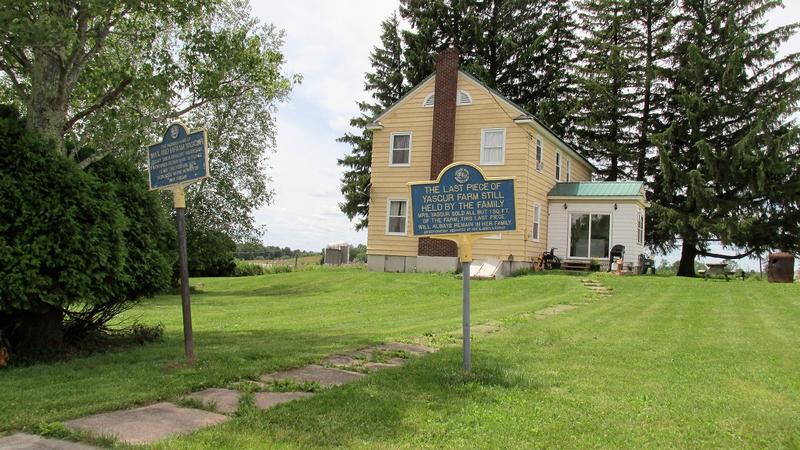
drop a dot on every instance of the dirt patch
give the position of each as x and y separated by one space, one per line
552 311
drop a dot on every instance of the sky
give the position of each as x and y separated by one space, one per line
328 42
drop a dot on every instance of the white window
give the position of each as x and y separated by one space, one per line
640 229
589 235
429 101
396 216
569 170
400 149
539 154
537 220
493 146
558 166
463 98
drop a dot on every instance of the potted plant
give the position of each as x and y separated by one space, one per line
594 266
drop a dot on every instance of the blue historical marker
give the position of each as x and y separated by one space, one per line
462 205
462 201
180 158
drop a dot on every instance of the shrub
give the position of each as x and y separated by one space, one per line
211 253
81 244
244 269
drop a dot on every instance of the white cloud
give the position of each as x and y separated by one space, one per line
328 43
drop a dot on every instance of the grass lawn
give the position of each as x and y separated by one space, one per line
663 362
245 327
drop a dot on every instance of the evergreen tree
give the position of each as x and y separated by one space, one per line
652 40
729 156
606 75
387 84
557 89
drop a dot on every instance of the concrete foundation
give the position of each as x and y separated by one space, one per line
390 263
437 264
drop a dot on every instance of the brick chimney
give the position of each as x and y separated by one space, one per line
443 136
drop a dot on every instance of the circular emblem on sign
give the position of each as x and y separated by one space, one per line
174 131
462 175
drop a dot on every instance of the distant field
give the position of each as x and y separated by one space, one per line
301 261
663 362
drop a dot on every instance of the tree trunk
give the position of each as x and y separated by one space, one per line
644 131
688 256
47 103
34 334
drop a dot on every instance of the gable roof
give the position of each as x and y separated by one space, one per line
524 116
598 189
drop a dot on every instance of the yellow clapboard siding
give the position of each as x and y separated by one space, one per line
486 111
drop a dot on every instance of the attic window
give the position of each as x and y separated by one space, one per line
463 98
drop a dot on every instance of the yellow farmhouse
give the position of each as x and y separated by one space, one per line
452 116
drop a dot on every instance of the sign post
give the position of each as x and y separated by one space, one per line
180 159
463 205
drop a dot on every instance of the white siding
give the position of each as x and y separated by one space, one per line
623 224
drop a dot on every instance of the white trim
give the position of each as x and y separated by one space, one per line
537 220
558 166
458 98
494 237
569 169
430 97
589 248
391 148
538 153
389 209
503 153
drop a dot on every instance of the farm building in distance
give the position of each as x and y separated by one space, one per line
452 116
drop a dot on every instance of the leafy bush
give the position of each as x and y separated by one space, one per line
211 253
74 243
245 269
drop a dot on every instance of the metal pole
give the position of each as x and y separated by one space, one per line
180 219
465 330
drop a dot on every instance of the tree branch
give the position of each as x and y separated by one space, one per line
718 255
93 158
18 55
110 96
14 81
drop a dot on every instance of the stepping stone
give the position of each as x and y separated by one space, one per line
340 360
410 348
266 400
224 400
23 441
323 375
379 366
147 424
553 310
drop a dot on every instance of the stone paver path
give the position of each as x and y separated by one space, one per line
265 400
596 287
325 376
22 441
147 424
224 400
159 421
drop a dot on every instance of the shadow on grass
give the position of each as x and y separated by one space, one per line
153 372
373 411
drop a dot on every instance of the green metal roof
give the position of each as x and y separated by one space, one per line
597 189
